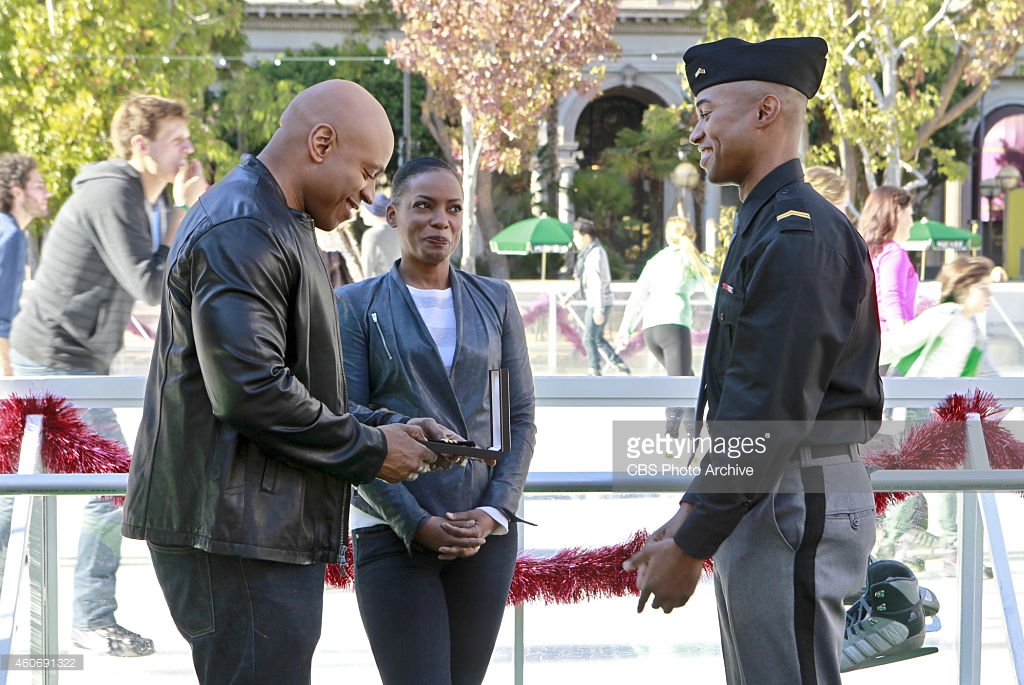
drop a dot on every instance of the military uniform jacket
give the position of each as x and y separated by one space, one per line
792 349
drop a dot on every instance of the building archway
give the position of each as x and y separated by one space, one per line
595 129
1003 145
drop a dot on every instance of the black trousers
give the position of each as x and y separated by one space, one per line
431 622
671 346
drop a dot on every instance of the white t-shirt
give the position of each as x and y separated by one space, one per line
437 309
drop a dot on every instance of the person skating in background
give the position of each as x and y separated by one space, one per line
884 223
106 249
946 340
595 289
23 197
661 302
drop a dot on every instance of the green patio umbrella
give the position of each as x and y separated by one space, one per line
541 234
933 235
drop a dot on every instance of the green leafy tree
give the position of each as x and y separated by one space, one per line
653 149
605 197
250 98
497 67
66 66
900 71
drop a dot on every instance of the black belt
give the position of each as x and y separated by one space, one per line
820 455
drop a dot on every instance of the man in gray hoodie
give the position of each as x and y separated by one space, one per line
106 249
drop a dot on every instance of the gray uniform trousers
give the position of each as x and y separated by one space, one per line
781 577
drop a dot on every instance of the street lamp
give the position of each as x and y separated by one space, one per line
989 188
1005 180
1009 178
685 177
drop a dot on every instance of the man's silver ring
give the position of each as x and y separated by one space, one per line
424 467
413 476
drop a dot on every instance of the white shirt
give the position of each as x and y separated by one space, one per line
437 309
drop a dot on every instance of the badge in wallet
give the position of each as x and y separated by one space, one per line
501 430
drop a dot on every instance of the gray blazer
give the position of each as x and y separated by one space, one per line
391 361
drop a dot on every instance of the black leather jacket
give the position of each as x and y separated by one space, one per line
245 446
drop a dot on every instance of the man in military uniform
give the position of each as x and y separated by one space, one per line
783 503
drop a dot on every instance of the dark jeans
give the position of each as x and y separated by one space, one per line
247 621
431 622
594 342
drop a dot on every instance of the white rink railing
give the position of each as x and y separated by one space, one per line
36 532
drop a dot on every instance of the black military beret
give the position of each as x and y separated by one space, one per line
796 62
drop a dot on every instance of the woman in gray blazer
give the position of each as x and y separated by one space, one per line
434 557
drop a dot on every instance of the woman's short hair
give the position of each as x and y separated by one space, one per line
585 227
414 167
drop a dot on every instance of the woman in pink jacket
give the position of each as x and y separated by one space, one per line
885 222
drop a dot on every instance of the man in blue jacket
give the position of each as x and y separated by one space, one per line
23 197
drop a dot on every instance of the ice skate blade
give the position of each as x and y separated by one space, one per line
893 658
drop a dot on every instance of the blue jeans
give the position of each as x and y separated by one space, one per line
99 544
248 622
431 622
593 339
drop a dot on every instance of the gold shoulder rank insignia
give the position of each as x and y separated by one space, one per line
793 212
700 72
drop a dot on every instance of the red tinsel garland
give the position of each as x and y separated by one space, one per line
68 444
941 444
575 574
571 575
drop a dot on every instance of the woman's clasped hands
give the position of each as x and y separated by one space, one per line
455 535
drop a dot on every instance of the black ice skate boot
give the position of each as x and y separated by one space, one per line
887 623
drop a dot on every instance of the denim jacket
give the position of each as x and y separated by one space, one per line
391 361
